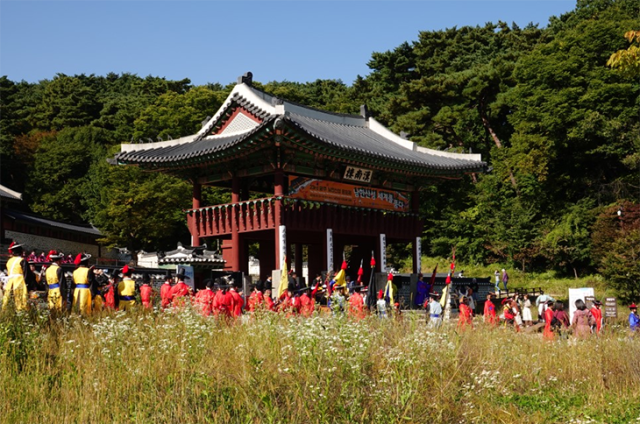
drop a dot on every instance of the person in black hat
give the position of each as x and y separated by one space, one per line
83 284
204 298
268 283
256 299
596 311
165 292
19 276
126 290
56 283
434 311
146 292
181 290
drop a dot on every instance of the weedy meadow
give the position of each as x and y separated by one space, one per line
178 367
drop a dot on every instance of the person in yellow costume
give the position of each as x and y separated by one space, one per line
56 282
19 276
83 284
126 290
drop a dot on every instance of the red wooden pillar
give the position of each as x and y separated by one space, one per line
195 228
236 248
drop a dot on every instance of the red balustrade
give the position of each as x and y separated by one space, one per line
259 214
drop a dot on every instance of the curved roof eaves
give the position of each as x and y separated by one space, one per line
186 151
364 140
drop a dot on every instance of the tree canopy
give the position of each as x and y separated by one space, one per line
554 111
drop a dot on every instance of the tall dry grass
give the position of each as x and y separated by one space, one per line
177 367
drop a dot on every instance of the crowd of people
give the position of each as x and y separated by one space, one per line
516 313
92 290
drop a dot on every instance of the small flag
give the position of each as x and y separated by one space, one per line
284 279
371 290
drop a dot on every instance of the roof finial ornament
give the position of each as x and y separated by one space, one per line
404 135
206 120
364 112
247 78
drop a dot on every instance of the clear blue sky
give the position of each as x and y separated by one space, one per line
216 41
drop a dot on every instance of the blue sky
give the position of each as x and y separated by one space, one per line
216 41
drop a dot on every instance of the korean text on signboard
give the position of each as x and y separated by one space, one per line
357 174
347 194
610 307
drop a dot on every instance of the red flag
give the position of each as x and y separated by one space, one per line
433 277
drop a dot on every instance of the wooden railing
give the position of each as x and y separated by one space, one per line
251 215
299 215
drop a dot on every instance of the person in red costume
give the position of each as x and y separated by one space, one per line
269 305
238 301
109 293
165 293
204 299
356 304
255 299
596 311
218 294
308 302
286 304
146 292
510 313
225 303
548 334
180 291
465 319
489 311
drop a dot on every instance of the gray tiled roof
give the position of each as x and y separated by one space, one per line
38 220
362 140
182 151
346 133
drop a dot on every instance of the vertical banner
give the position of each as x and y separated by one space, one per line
282 237
418 258
188 271
330 249
383 253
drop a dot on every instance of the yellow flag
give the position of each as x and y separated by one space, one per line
389 292
284 279
445 292
340 279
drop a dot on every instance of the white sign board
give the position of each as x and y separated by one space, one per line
282 234
330 249
383 253
575 294
418 258
188 271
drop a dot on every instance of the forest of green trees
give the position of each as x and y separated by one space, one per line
559 129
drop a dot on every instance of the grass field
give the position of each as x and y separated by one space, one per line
177 367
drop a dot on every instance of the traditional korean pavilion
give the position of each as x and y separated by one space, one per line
301 177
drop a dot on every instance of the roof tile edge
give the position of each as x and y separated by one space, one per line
378 128
128 147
